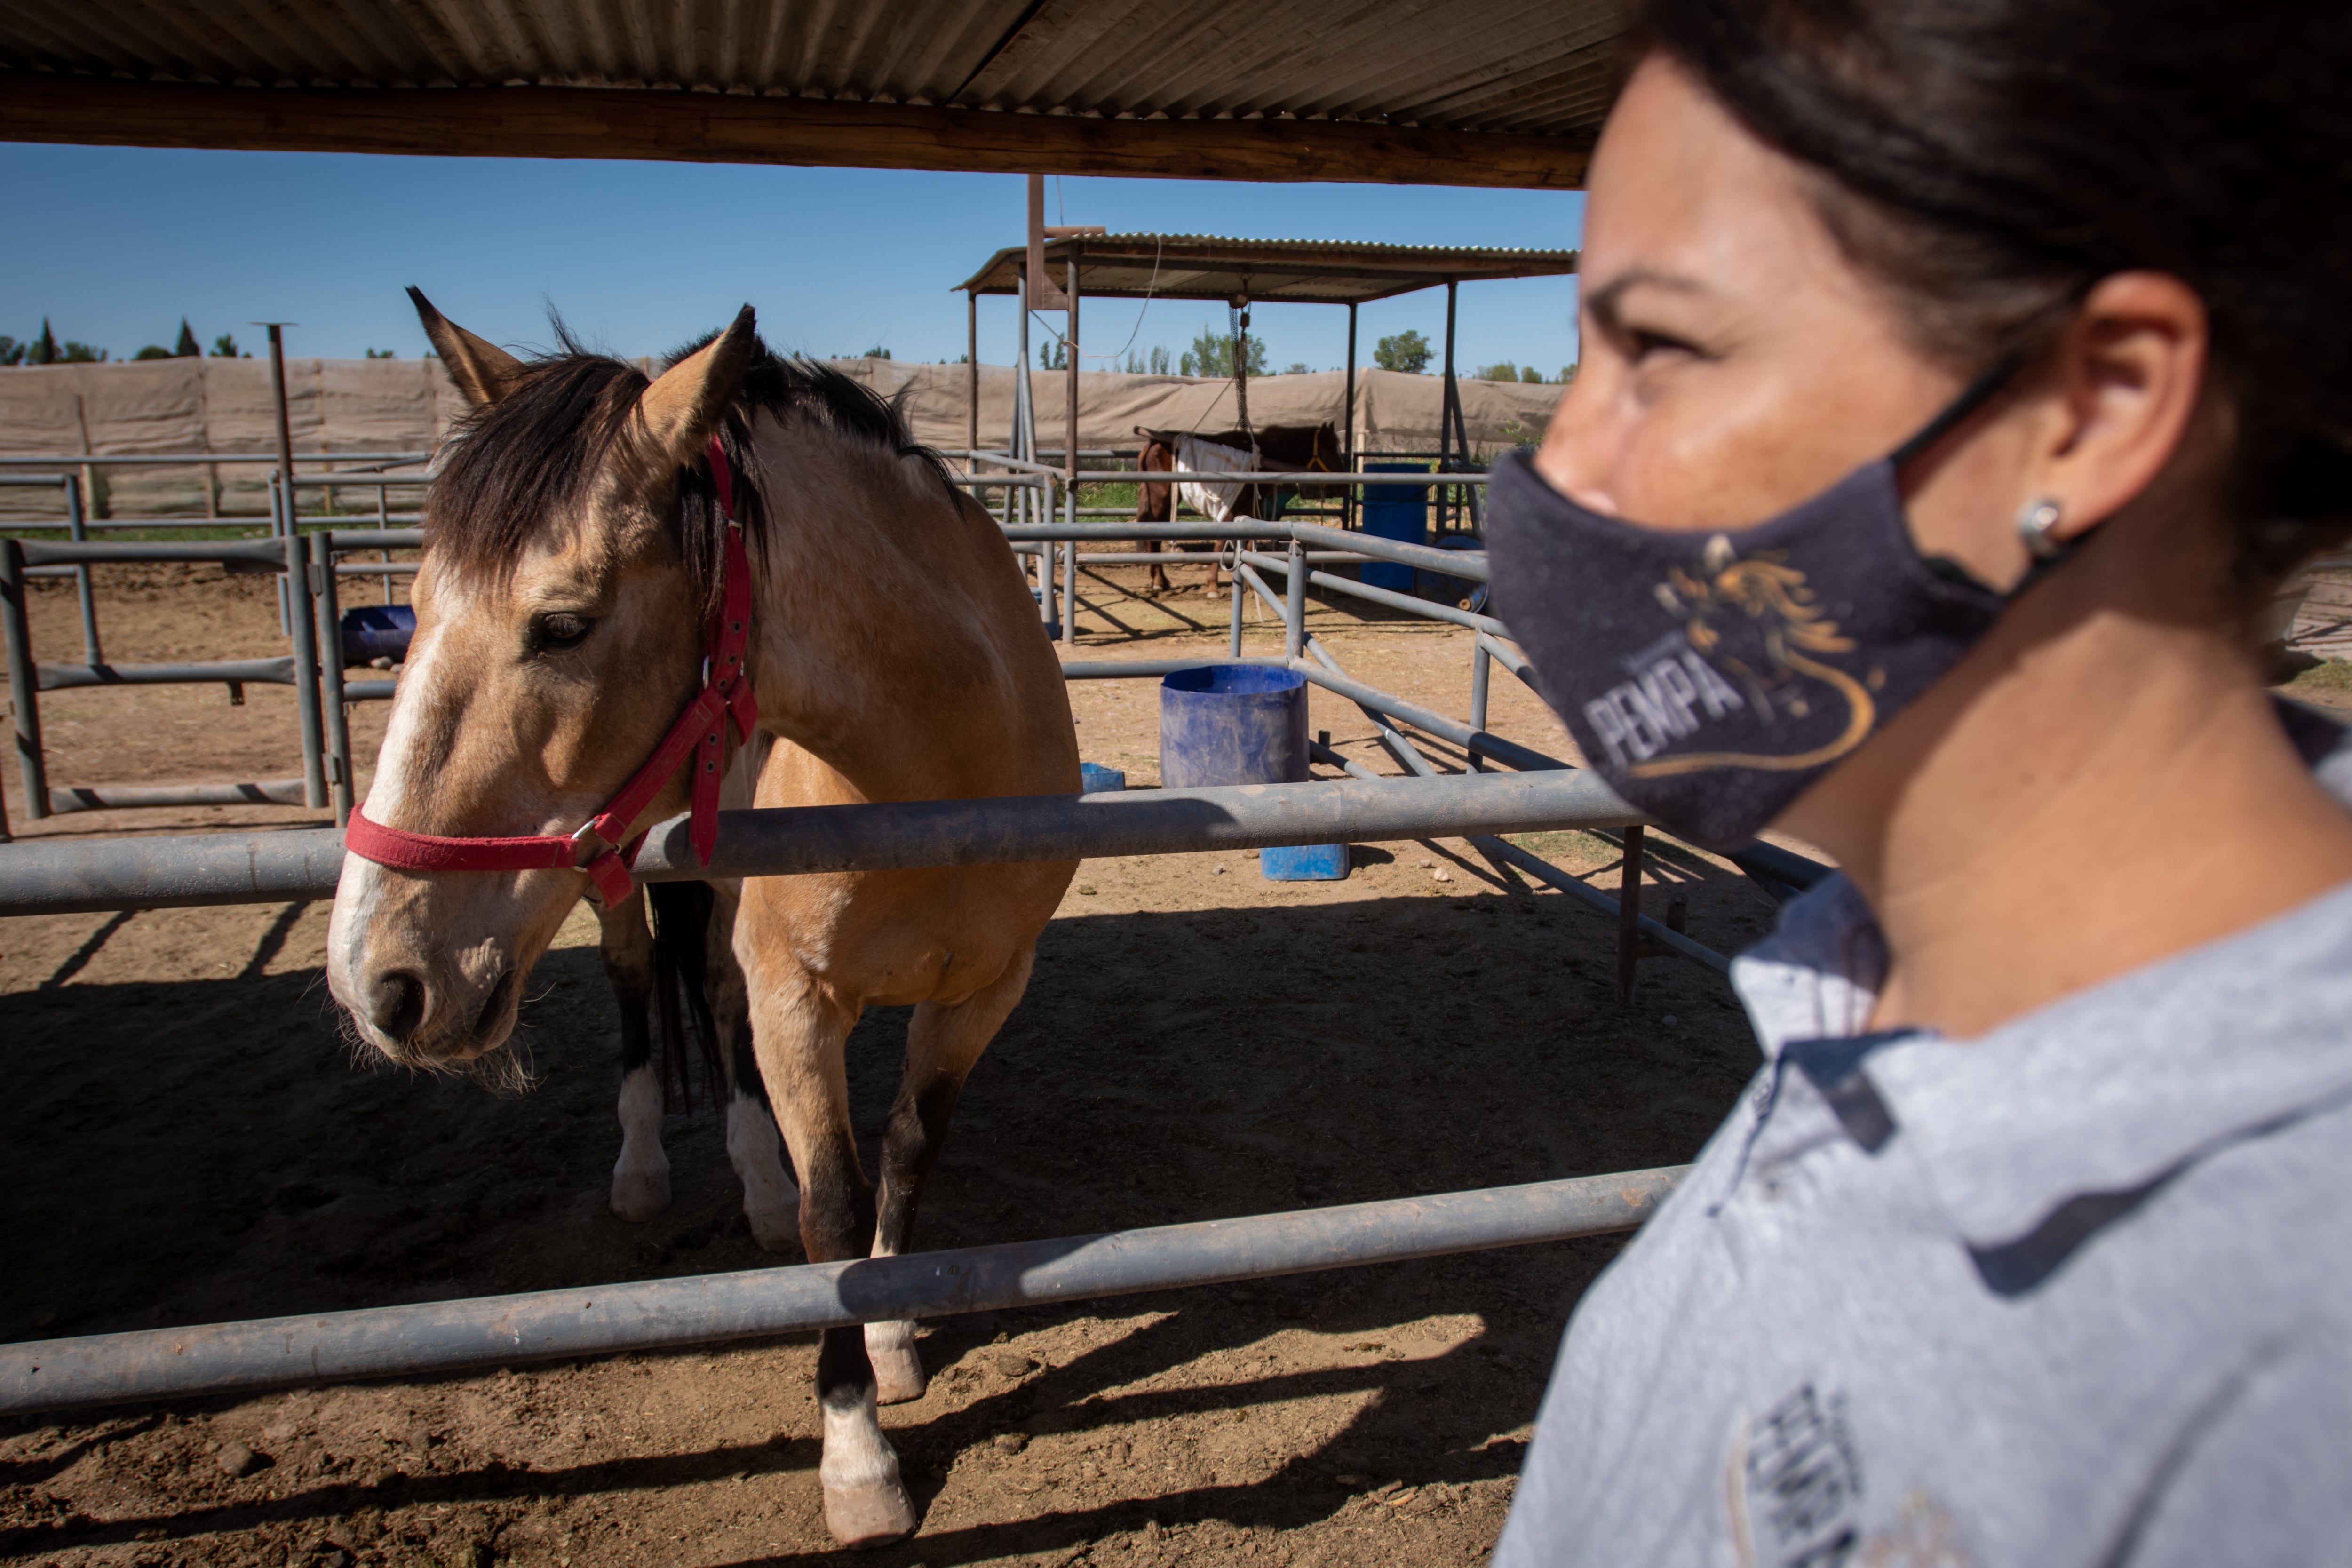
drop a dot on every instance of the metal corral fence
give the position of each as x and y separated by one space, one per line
1541 793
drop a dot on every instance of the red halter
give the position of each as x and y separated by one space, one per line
726 690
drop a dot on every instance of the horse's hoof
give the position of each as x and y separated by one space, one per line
776 1230
872 1515
639 1197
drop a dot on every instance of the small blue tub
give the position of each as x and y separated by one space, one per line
1243 724
1096 779
378 631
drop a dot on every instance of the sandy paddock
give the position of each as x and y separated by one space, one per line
189 1138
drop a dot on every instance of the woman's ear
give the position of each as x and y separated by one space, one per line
2123 383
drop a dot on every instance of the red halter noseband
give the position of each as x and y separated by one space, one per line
726 690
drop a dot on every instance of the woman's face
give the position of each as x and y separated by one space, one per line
1734 361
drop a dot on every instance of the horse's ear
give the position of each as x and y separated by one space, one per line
679 413
483 371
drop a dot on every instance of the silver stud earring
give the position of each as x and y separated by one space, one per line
2035 519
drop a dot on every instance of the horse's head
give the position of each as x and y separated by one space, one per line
571 548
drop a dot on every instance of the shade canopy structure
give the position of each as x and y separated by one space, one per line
1262 271
1473 92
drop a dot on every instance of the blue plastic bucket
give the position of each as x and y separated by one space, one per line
1399 513
378 631
1096 779
1232 724
1243 724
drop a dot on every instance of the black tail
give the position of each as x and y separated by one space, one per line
681 926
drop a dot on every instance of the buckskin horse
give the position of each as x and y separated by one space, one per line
587 604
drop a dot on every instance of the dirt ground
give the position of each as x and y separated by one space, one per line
191 1139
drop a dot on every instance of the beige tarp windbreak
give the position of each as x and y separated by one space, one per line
407 405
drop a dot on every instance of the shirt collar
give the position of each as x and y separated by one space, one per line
2103 1092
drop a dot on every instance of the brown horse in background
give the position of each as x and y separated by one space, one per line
572 558
1294 448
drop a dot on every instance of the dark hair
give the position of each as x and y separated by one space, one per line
518 465
1989 160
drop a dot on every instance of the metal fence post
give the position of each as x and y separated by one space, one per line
1294 604
328 602
1237 594
1070 562
306 672
23 681
1629 914
1481 672
76 526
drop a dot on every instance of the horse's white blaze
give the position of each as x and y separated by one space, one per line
856 1454
361 886
641 1175
771 1202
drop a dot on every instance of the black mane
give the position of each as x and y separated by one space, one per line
520 463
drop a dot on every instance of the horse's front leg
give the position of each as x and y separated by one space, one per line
798 1029
641 1175
771 1202
943 1042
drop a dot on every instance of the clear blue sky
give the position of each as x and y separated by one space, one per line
115 244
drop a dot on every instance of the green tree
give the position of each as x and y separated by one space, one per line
1053 356
1531 375
224 347
11 350
1407 350
154 350
1211 354
43 350
1506 371
186 346
878 352
74 353
382 353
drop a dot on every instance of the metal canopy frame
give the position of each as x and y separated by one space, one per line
1244 272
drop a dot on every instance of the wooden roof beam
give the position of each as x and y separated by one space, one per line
714 128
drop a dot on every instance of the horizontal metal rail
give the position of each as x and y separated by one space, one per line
268 552
1426 608
135 797
130 460
278 671
63 878
430 1337
1271 477
1470 564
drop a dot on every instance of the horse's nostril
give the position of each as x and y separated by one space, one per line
396 1003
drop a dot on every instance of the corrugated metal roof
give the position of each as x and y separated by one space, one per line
1529 66
1215 267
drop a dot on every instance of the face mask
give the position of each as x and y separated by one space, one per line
1712 677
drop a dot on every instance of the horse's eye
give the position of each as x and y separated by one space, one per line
553 634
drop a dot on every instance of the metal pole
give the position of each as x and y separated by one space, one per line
1629 914
64 876
1237 608
1481 673
1294 604
23 681
1070 452
328 601
971 363
497 1330
1444 417
1348 436
306 673
287 503
80 535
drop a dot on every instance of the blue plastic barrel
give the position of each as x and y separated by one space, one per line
378 631
1232 724
1096 779
1395 511
1243 724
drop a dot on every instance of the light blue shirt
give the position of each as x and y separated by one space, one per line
2073 1294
